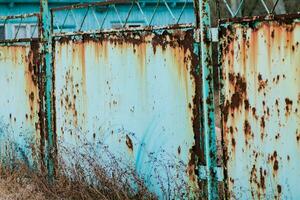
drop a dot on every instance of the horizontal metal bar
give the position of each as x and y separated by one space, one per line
8 41
84 5
270 17
110 2
19 16
129 29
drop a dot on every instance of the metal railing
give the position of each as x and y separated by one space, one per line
112 8
248 8
19 21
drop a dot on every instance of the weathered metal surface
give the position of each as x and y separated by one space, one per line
118 14
111 2
260 61
137 95
124 30
20 105
10 35
208 100
84 5
47 66
22 16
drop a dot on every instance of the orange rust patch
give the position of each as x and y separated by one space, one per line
141 54
101 50
183 63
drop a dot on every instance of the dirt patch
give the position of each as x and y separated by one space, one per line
24 184
20 189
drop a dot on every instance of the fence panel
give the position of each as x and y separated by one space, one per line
261 86
133 95
20 127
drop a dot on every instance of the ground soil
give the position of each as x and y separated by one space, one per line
20 189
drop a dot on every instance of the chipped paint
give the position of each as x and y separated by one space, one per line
260 71
134 92
20 105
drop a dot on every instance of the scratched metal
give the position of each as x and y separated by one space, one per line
134 95
19 110
261 123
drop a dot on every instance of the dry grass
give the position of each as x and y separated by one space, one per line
22 184
72 181
92 171
84 178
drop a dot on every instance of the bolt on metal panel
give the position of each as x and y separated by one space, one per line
260 70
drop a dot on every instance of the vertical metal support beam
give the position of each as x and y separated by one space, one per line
46 61
208 99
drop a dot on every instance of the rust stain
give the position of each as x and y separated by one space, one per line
75 81
273 160
69 96
82 60
238 87
182 65
31 77
247 109
129 143
253 45
288 106
262 127
248 132
101 50
159 40
258 182
186 70
262 178
231 135
141 53
267 34
262 84
12 54
197 151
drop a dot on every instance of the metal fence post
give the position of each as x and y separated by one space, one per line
46 61
208 99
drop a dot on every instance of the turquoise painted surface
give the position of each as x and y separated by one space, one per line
74 19
133 101
19 119
261 110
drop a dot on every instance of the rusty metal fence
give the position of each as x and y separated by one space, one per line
143 97
130 94
134 93
121 14
21 129
259 68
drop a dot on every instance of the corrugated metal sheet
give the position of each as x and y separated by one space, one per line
261 123
135 94
19 110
